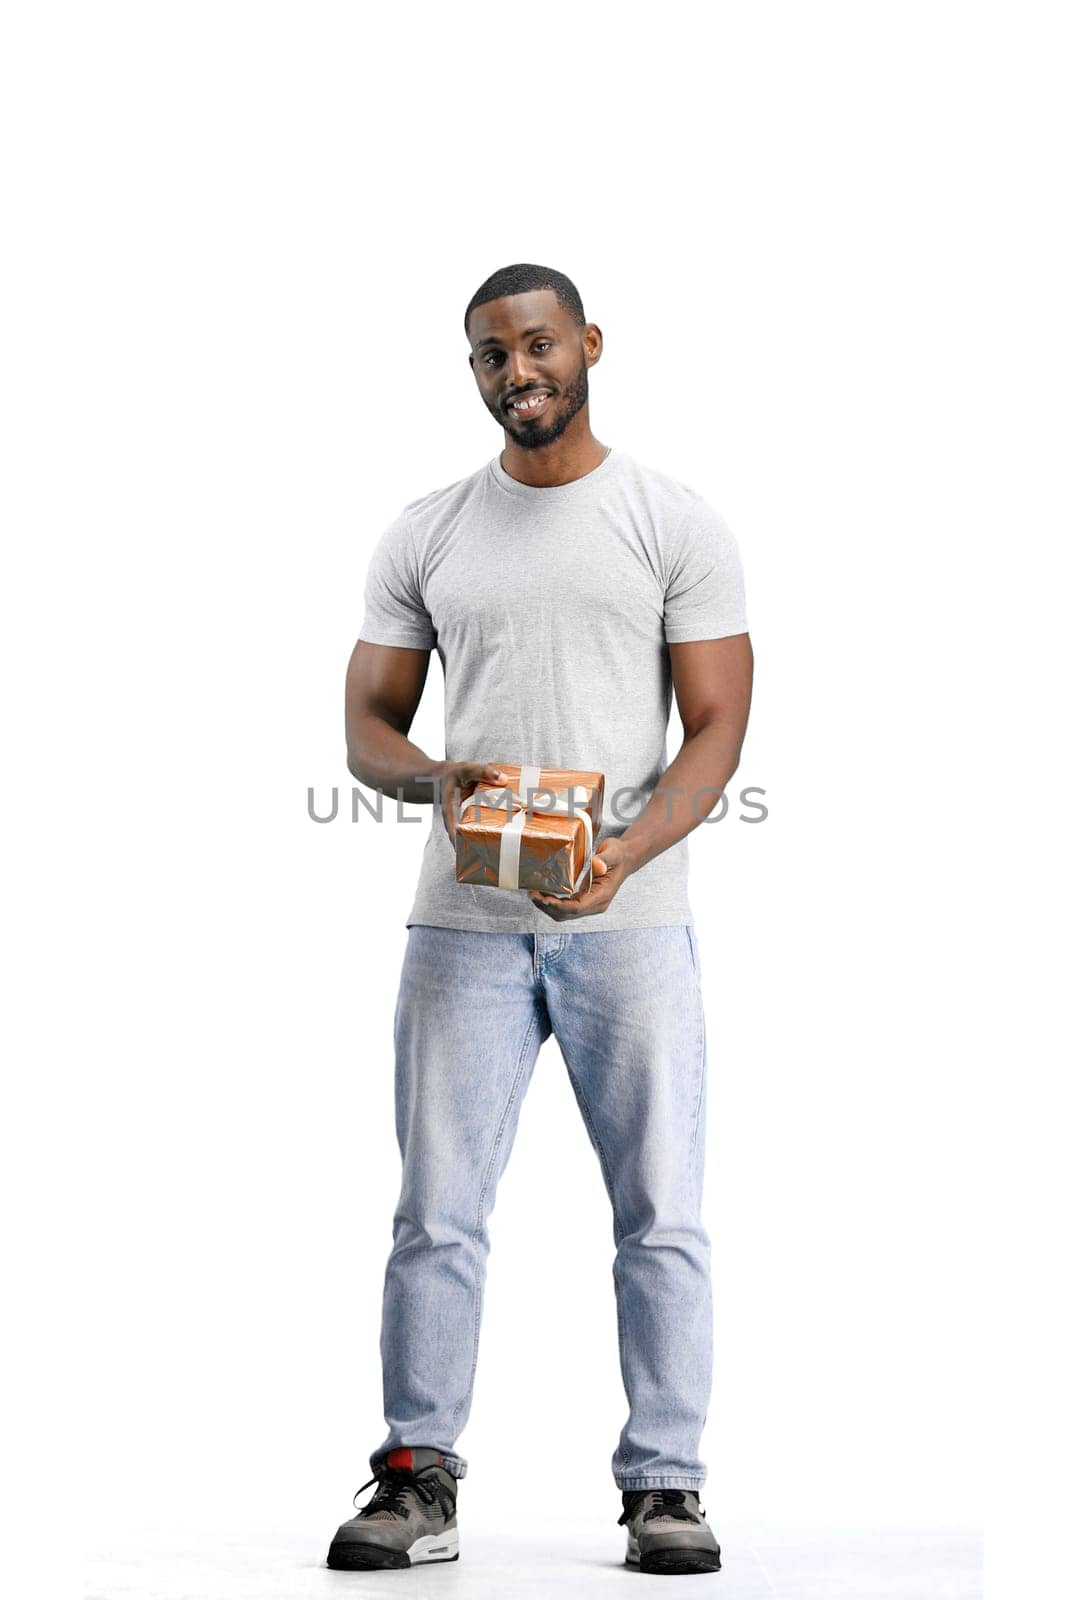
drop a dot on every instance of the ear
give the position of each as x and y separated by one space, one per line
593 343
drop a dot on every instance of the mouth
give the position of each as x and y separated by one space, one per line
528 405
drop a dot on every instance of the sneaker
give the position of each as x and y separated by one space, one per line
666 1531
410 1518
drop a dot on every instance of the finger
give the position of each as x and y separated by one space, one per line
571 906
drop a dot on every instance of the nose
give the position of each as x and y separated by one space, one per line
521 373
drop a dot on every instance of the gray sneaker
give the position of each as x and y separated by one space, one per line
410 1518
666 1531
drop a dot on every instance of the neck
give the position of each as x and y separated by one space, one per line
562 461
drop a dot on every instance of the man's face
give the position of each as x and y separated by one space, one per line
528 347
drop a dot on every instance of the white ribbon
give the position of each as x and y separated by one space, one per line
511 835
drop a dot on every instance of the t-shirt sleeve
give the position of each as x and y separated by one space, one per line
704 596
394 612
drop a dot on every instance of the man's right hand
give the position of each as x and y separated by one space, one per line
459 777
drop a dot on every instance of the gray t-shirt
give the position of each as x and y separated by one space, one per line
551 610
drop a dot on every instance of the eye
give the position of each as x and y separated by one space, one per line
545 342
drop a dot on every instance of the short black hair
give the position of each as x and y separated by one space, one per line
520 278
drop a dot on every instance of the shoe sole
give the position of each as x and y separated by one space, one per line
346 1555
667 1561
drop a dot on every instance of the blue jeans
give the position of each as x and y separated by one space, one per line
472 1012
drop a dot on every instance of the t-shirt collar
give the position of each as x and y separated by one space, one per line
557 491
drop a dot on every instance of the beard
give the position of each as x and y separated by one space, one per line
534 434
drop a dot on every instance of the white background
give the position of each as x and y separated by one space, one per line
822 244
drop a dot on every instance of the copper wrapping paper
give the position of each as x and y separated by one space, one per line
552 849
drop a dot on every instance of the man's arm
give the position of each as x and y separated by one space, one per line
383 689
713 689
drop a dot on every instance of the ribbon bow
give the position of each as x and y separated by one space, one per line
522 810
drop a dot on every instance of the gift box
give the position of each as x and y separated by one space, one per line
534 830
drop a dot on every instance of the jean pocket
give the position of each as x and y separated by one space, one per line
694 950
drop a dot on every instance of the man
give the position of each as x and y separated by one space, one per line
566 588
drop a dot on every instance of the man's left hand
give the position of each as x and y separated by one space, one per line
610 870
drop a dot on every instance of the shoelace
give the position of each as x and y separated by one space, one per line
393 1483
665 1503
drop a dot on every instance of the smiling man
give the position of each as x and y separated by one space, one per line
568 590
